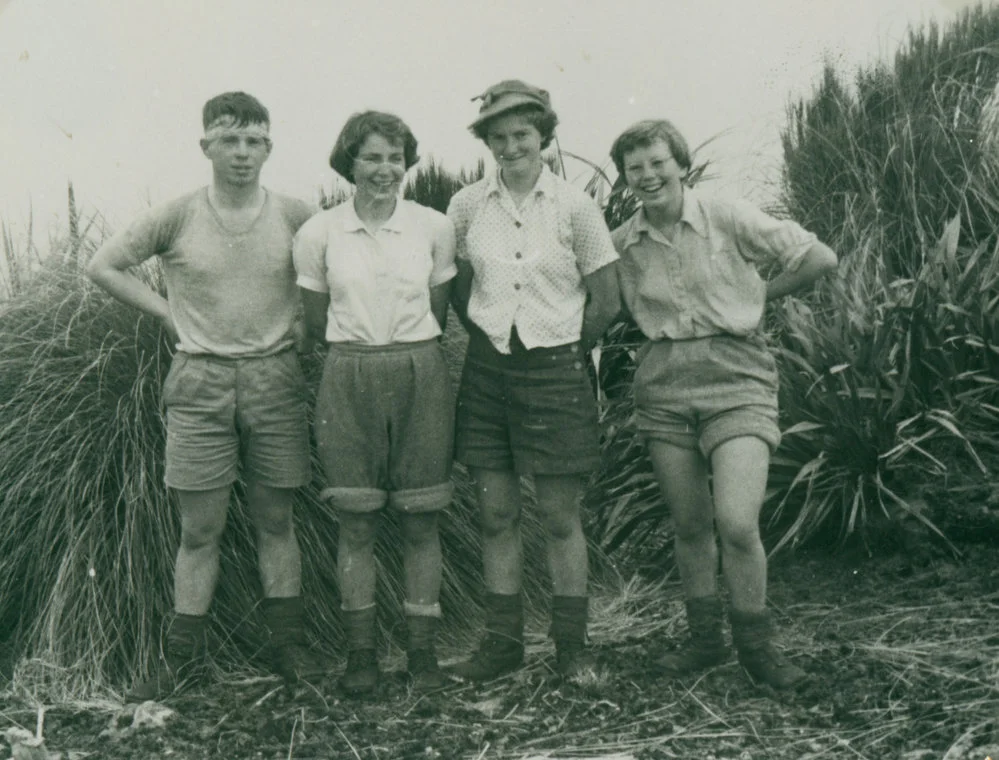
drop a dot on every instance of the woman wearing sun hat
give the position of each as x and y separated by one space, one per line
536 288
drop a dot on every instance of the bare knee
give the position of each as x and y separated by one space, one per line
740 536
358 531
561 525
495 521
274 523
202 518
271 510
694 528
199 536
419 530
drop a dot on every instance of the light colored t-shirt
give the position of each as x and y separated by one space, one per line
230 293
706 281
529 261
379 284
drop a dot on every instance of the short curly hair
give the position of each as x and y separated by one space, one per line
244 109
357 129
542 119
642 134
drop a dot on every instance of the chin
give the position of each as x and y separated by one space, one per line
654 202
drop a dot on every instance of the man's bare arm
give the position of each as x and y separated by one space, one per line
109 269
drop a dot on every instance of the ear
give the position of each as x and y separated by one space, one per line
204 146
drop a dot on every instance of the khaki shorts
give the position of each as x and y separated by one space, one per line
697 394
385 426
222 412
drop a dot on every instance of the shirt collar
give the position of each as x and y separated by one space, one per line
692 214
544 186
352 222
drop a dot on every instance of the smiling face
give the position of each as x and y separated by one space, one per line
379 168
515 143
237 153
655 177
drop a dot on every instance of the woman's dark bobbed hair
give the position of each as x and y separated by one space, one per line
357 129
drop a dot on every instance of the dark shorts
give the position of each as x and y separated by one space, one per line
699 393
221 411
384 427
532 411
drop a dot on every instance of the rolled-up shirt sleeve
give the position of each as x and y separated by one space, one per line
591 240
764 239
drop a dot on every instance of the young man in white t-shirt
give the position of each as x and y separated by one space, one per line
234 395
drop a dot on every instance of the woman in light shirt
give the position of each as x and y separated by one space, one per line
706 385
375 275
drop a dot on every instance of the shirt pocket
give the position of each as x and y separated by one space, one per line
731 276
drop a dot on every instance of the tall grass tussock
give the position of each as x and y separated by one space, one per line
90 532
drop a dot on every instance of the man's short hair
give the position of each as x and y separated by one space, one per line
244 109
643 134
357 129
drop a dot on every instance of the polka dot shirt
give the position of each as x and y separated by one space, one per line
529 261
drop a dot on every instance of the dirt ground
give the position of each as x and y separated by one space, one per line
903 656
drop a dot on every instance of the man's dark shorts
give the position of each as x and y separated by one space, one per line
532 411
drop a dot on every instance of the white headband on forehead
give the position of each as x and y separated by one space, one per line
226 125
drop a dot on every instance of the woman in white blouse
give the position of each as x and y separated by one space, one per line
375 275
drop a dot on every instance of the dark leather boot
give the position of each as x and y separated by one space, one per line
360 679
753 635
502 649
421 655
705 645
181 662
570 615
291 657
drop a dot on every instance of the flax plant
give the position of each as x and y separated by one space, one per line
886 384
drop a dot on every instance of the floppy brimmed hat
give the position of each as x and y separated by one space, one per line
507 95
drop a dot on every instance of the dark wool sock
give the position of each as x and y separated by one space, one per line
186 635
359 628
705 619
505 615
422 631
569 618
751 629
285 619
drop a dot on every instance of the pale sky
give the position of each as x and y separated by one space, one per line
108 93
